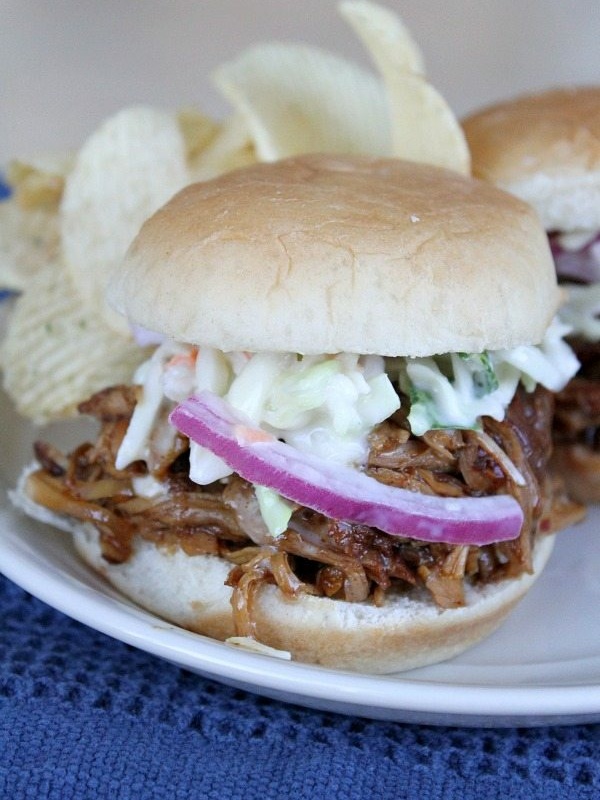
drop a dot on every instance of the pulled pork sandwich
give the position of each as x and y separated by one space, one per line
545 148
339 450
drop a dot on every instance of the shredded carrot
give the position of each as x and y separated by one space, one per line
185 359
246 435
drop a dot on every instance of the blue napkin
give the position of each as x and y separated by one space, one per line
5 192
84 716
4 189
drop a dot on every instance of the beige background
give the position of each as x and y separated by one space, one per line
67 64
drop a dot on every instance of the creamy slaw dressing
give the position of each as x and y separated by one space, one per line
456 390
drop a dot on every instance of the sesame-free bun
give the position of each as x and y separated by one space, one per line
406 632
545 149
325 254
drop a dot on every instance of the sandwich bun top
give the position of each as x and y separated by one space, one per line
323 254
544 148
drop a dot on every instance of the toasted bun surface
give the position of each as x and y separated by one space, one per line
405 633
321 254
545 149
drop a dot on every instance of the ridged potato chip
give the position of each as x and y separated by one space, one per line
57 352
29 240
299 99
123 173
423 127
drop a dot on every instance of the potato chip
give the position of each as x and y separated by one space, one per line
299 99
198 131
423 127
56 353
38 182
231 148
124 172
29 240
385 36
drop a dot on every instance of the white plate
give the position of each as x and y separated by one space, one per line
541 667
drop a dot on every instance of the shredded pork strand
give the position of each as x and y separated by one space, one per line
316 555
577 419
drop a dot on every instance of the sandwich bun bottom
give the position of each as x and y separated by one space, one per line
406 632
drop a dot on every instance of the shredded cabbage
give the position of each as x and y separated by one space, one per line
582 310
275 510
325 405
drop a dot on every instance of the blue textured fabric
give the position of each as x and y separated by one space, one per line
5 192
84 716
4 188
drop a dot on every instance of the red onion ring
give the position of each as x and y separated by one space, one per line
582 264
341 492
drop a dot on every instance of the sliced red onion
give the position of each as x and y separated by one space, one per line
582 264
342 492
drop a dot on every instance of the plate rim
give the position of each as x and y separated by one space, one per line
421 700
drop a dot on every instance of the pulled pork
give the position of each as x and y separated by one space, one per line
317 555
577 419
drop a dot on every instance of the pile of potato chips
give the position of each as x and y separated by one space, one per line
70 219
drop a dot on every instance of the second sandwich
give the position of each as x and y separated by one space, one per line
545 149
